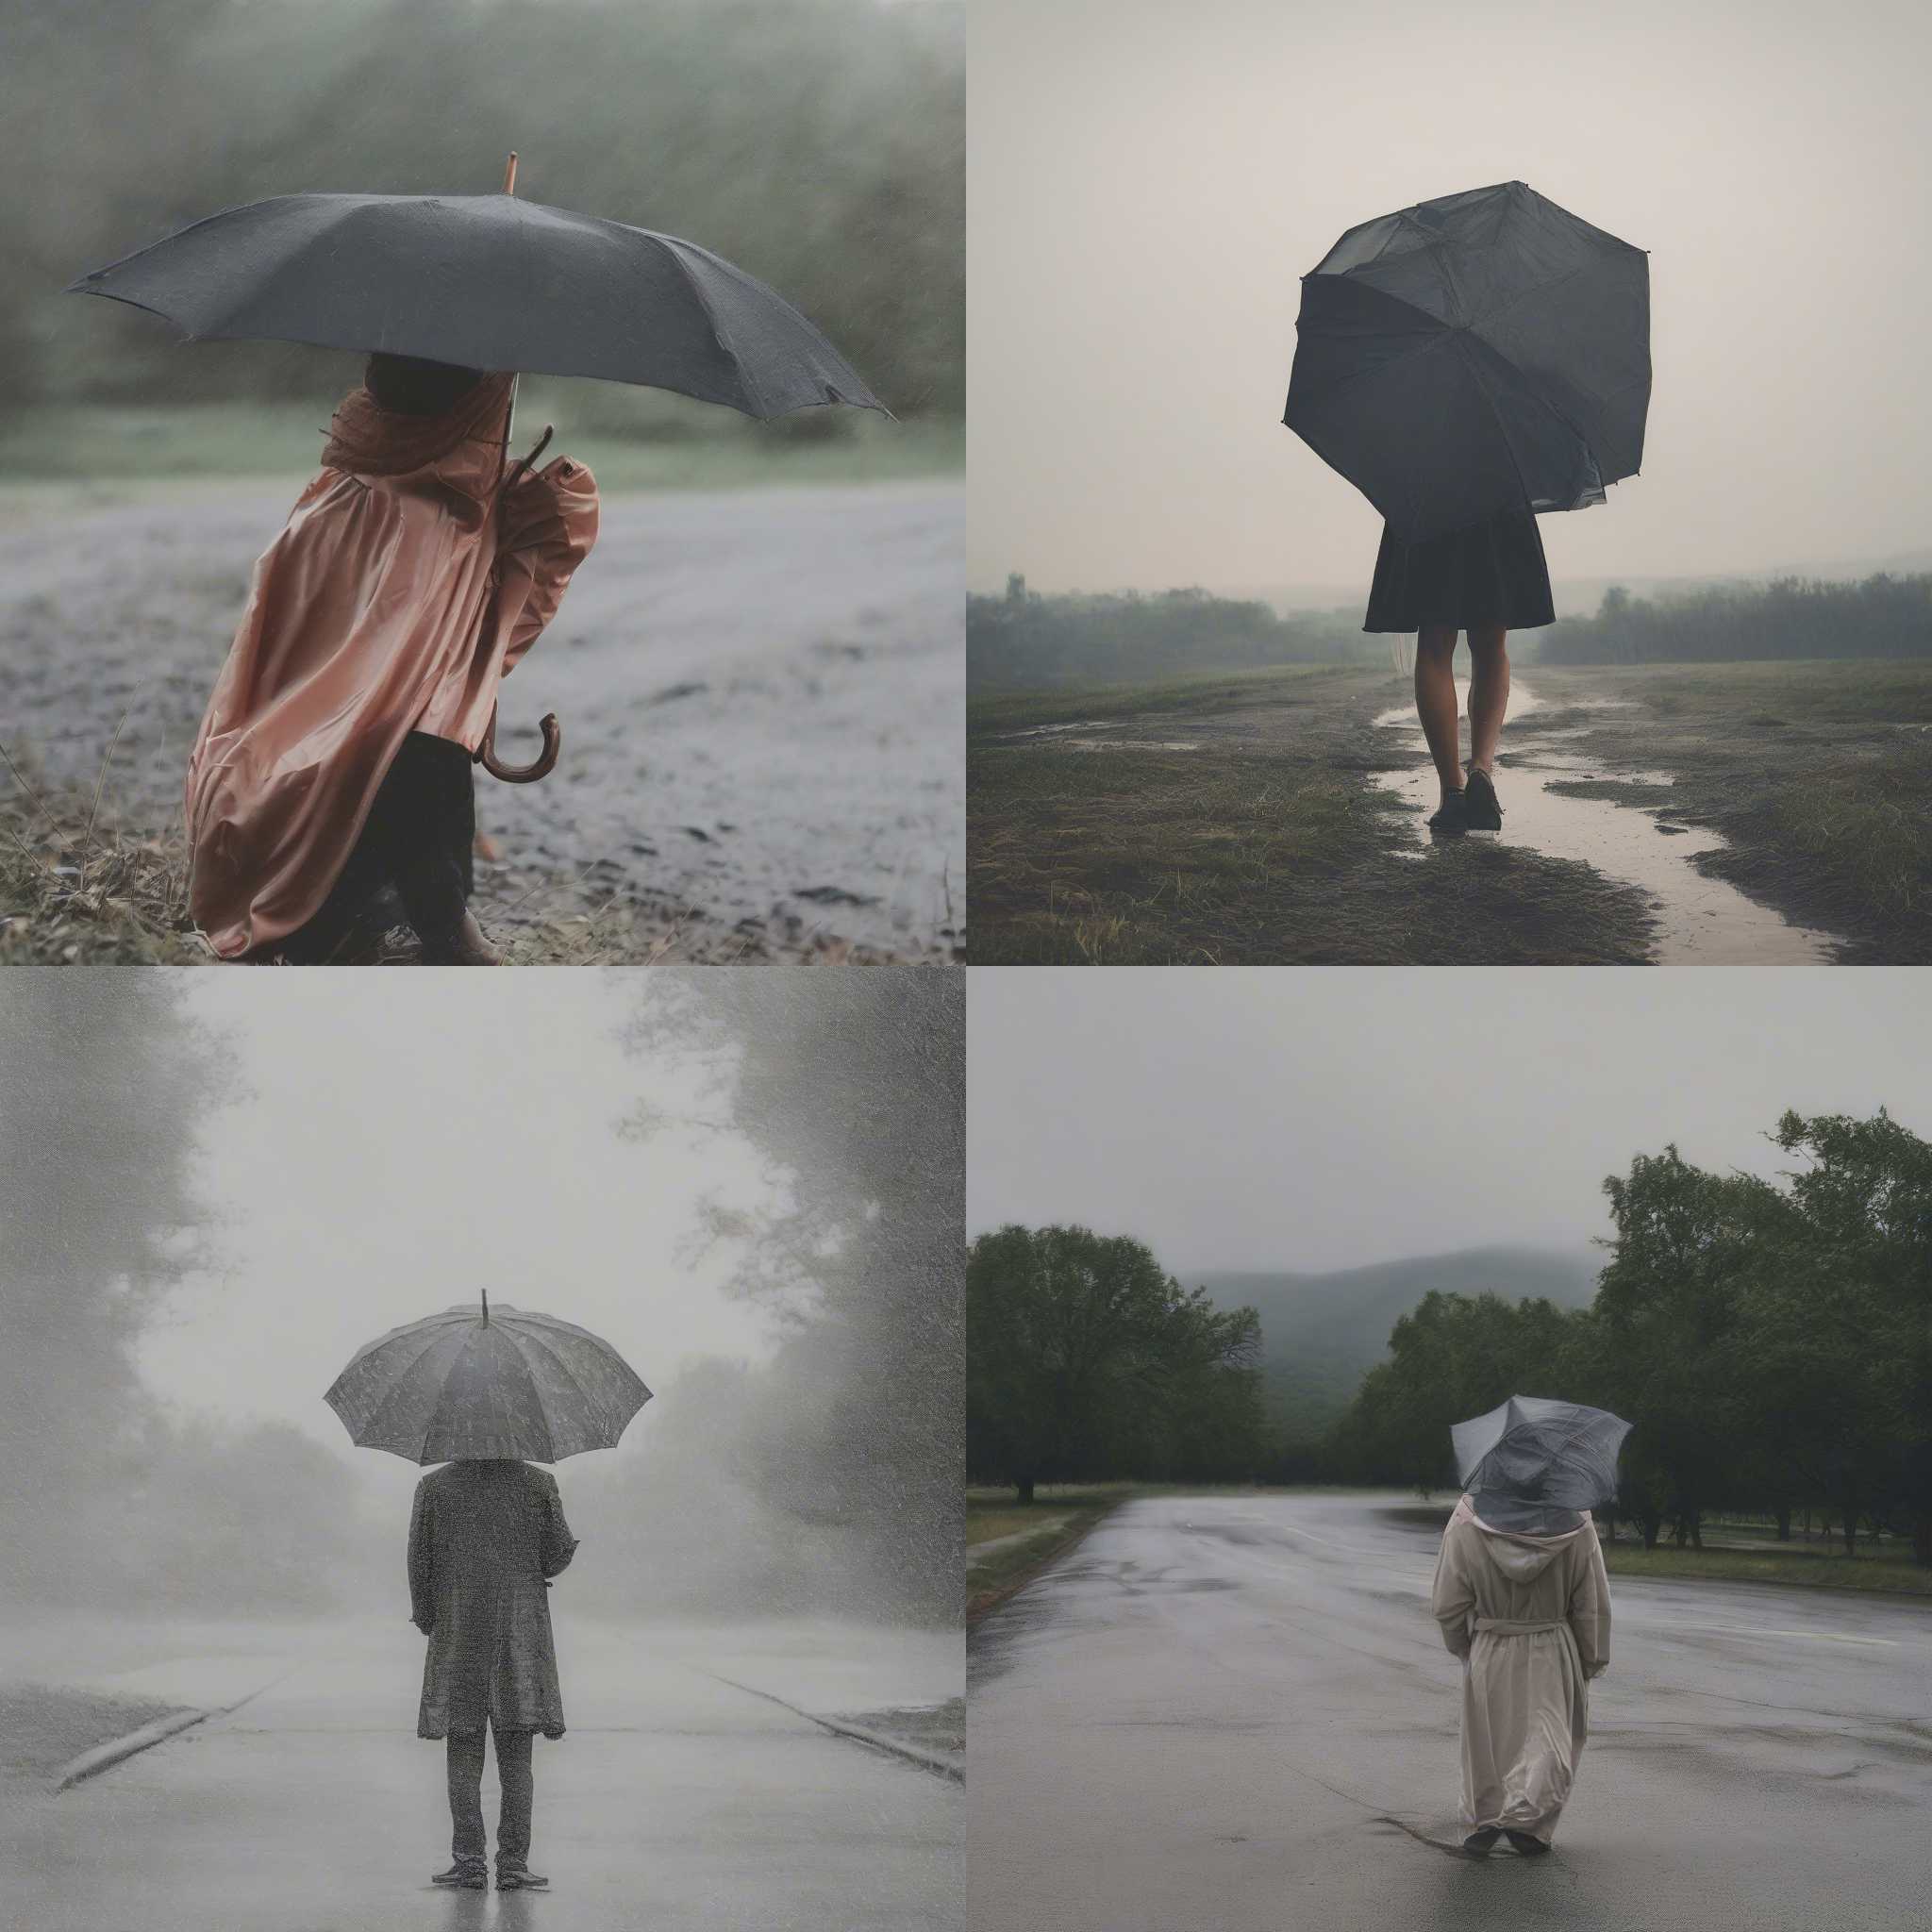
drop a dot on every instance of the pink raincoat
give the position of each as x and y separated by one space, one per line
366 622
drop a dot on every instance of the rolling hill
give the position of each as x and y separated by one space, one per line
1320 1333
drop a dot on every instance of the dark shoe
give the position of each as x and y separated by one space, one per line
1527 1847
1451 818
470 1877
516 1879
1479 1842
1479 801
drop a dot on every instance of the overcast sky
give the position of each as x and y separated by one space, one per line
404 1138
1329 1118
1148 180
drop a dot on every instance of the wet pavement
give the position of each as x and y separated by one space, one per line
1236 1711
760 690
673 1801
1702 921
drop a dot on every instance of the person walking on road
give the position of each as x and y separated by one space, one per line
1522 1598
486 1536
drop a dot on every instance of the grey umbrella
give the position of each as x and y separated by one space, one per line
1479 354
1534 1464
487 281
474 1383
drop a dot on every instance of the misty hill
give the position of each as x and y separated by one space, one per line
1320 1333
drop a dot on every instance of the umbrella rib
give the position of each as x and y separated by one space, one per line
725 342
591 1402
380 1341
396 1387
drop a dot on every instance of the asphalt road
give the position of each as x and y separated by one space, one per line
1238 1712
672 1802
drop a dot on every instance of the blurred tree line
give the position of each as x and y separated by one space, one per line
1794 617
1026 638
1087 1360
1771 1341
818 143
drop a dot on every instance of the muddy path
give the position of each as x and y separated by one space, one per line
1569 802
761 695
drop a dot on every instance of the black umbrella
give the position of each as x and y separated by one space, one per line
1483 353
487 281
1532 1464
487 1383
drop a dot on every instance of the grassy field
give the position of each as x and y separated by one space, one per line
1267 844
1237 819
1812 1569
1818 772
117 449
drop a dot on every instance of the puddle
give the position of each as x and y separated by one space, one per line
1701 921
1054 730
1129 744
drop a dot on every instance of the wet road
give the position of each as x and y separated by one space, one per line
674 1802
1236 1712
761 693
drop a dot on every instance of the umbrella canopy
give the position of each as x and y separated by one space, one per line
487 281
1531 1464
475 1384
1473 355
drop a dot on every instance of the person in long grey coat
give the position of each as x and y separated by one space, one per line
484 1538
1522 1598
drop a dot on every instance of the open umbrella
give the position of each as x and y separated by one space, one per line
470 1384
1531 1464
1476 354
488 281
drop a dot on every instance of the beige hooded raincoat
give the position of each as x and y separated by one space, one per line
1530 1618
366 622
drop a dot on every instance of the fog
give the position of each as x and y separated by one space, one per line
1148 182
230 1182
1269 1120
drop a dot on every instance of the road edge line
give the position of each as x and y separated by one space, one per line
912 1754
100 1758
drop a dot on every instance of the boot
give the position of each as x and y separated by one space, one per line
467 1876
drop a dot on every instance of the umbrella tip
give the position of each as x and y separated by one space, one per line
510 174
485 1308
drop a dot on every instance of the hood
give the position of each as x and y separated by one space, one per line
1520 1556
464 446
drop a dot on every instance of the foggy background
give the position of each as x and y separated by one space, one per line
815 142
748 1183
1148 183
1327 1120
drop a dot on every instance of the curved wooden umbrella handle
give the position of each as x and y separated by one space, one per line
539 767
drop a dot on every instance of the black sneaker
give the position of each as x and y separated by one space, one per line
1451 818
469 1878
1479 1842
517 1878
1527 1847
1479 801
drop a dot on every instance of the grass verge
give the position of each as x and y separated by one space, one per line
44 1726
1809 1570
1259 843
1009 1543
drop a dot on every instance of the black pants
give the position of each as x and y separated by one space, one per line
419 838
467 1843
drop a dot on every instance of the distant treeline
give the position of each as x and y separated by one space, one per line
1794 617
1024 639
1770 1342
819 143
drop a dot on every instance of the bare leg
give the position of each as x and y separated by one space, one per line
1435 704
1489 694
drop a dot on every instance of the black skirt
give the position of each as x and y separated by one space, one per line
1492 573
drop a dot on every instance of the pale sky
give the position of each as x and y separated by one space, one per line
402 1137
1330 1118
1148 182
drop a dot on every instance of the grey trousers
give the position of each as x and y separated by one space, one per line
466 1798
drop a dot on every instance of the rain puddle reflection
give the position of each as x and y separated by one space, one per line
1701 921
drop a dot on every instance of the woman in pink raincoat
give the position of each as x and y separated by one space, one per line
334 760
